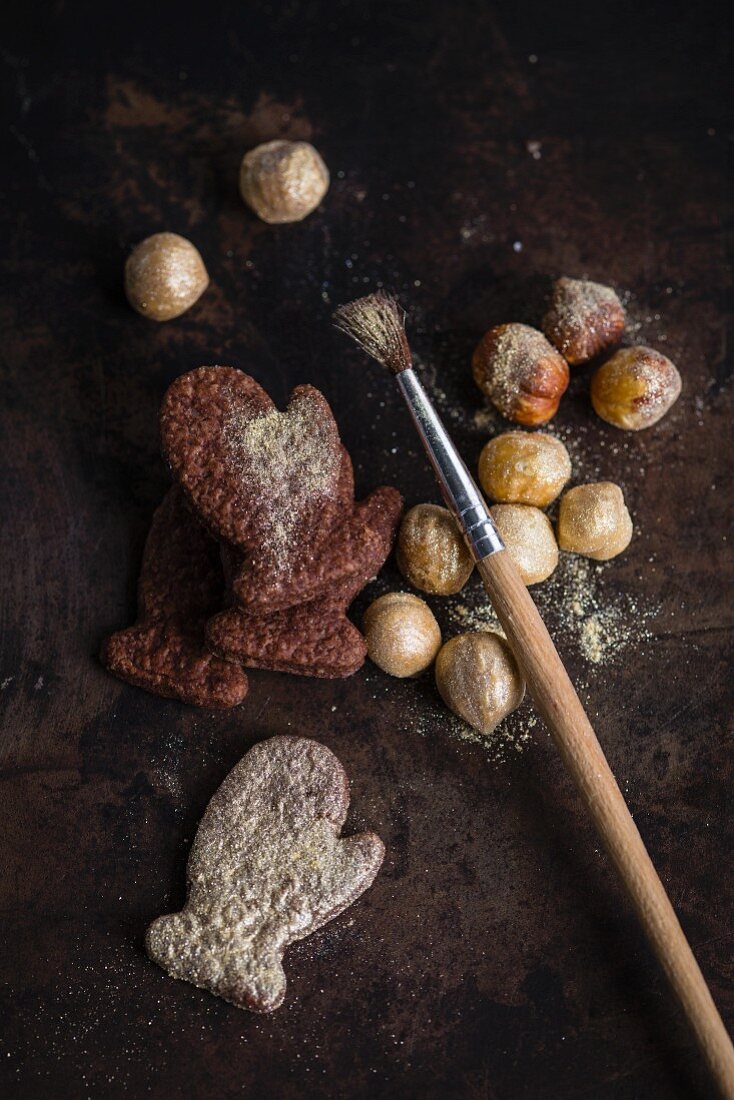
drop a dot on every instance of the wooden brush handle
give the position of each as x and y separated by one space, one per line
559 705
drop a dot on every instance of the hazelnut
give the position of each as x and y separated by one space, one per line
431 552
635 388
584 319
593 520
478 679
402 634
524 468
164 276
529 540
521 373
283 181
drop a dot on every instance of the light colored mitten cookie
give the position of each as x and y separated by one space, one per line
267 868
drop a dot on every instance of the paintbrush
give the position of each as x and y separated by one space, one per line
377 324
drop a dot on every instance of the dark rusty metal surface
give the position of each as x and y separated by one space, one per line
494 956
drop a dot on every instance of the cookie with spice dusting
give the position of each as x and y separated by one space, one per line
265 481
267 868
314 638
181 585
251 577
352 554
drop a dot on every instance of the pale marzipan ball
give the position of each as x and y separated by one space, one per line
402 634
283 181
431 552
478 679
524 468
164 276
529 540
593 520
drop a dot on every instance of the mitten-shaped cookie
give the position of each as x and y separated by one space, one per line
181 585
267 868
353 554
265 481
313 639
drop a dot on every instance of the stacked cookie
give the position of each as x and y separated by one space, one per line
258 548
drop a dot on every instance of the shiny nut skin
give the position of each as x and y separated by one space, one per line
584 319
478 679
529 540
524 468
593 520
521 373
635 388
431 553
283 181
402 634
164 276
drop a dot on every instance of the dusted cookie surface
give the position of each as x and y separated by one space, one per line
263 480
181 585
352 553
267 868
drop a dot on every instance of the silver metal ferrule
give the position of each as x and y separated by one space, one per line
457 485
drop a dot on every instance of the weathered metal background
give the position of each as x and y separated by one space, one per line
494 956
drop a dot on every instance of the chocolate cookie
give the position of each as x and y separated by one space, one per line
352 554
265 481
266 869
313 639
181 585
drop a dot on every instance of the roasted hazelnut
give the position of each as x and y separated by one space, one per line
402 634
164 276
524 468
283 181
593 520
431 553
478 679
529 540
635 388
584 319
521 373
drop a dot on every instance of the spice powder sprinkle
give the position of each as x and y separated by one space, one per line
291 462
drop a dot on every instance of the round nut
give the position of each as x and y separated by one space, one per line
593 520
521 373
478 679
283 181
524 468
164 276
431 553
635 388
529 540
402 634
584 319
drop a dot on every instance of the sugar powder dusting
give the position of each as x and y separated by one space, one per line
291 460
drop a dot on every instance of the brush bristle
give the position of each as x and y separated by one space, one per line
377 324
